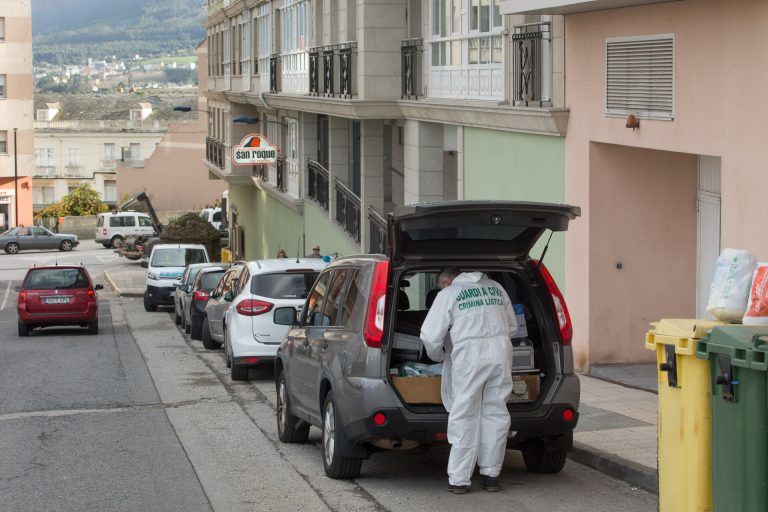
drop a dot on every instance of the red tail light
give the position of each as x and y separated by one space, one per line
558 303
252 307
374 317
22 296
91 294
200 296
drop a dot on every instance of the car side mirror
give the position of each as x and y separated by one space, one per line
229 297
98 287
144 264
186 288
285 316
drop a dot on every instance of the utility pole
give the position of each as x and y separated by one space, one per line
15 179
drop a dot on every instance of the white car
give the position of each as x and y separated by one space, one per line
166 263
113 228
212 215
251 336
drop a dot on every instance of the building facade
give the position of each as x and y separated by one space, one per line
380 104
16 113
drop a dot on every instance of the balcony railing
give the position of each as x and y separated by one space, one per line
45 171
377 227
332 70
317 183
214 152
532 67
103 125
280 174
347 210
73 171
274 74
110 163
411 53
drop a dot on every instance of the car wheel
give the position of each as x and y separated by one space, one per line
290 429
208 341
24 329
538 460
333 443
195 330
116 242
148 306
66 246
12 248
93 327
185 324
107 245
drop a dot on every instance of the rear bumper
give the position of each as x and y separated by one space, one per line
80 317
160 295
270 361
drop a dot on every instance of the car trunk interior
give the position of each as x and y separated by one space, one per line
416 377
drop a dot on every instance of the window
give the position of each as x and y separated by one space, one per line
39 231
2 29
283 285
335 298
135 151
295 23
55 278
129 221
110 191
145 222
43 157
316 302
227 50
245 43
3 90
122 221
109 151
177 257
209 280
74 157
640 76
48 195
263 31
3 141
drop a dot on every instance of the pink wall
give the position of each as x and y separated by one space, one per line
720 72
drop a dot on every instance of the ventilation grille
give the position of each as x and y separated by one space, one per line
640 76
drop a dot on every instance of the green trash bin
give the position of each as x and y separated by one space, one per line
738 361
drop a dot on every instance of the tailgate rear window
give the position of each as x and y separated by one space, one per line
210 280
283 285
55 279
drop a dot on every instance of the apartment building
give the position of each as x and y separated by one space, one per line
662 191
379 104
16 113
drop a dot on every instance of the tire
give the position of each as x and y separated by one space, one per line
148 306
195 330
12 248
187 327
107 245
290 429
538 460
93 327
333 439
66 245
24 329
116 242
208 341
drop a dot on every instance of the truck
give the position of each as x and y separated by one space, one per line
136 247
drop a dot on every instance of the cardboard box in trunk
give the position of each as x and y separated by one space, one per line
418 390
525 387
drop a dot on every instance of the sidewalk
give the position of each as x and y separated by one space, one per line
616 433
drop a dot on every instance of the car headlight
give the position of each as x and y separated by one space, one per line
152 275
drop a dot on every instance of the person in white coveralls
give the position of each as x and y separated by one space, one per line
477 315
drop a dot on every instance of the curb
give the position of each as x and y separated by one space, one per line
119 292
614 466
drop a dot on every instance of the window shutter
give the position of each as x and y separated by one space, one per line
640 76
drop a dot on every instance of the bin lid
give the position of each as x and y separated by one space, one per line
746 345
683 333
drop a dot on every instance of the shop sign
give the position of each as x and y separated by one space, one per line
255 149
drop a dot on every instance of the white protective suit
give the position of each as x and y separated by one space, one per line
478 316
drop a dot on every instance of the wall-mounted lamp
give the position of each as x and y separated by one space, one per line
246 120
183 109
633 122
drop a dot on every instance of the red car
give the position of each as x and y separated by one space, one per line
60 295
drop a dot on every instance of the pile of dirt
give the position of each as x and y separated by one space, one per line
192 229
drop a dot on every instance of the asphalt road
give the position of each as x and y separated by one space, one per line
141 417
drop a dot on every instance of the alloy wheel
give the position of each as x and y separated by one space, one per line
329 434
281 409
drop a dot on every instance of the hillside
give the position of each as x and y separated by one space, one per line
70 31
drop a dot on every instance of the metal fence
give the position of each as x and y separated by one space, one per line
214 152
532 66
377 228
347 210
411 53
332 70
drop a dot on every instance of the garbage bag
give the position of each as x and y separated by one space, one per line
757 309
731 281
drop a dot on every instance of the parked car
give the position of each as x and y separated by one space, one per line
167 262
218 302
183 285
212 215
57 295
36 238
194 310
113 228
249 331
338 366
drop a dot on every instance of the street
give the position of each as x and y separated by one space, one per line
141 417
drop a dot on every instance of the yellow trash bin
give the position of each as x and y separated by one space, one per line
685 415
226 256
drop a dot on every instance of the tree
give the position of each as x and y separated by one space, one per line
81 201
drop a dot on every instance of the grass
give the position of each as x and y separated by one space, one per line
179 59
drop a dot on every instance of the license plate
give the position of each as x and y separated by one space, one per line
170 293
55 300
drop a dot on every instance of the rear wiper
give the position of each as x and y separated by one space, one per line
544 252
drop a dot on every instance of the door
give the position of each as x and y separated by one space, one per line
217 306
43 239
145 226
708 229
24 239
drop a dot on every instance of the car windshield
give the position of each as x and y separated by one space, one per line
209 280
55 279
285 285
177 257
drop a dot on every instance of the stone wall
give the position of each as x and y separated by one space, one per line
85 227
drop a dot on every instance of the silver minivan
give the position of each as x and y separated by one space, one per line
343 365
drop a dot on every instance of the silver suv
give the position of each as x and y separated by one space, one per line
352 363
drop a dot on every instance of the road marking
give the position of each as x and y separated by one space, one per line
7 293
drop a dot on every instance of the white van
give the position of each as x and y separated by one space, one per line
212 215
165 264
113 228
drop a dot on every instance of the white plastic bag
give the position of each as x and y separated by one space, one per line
757 310
731 280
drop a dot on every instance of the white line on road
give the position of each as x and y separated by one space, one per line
7 293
